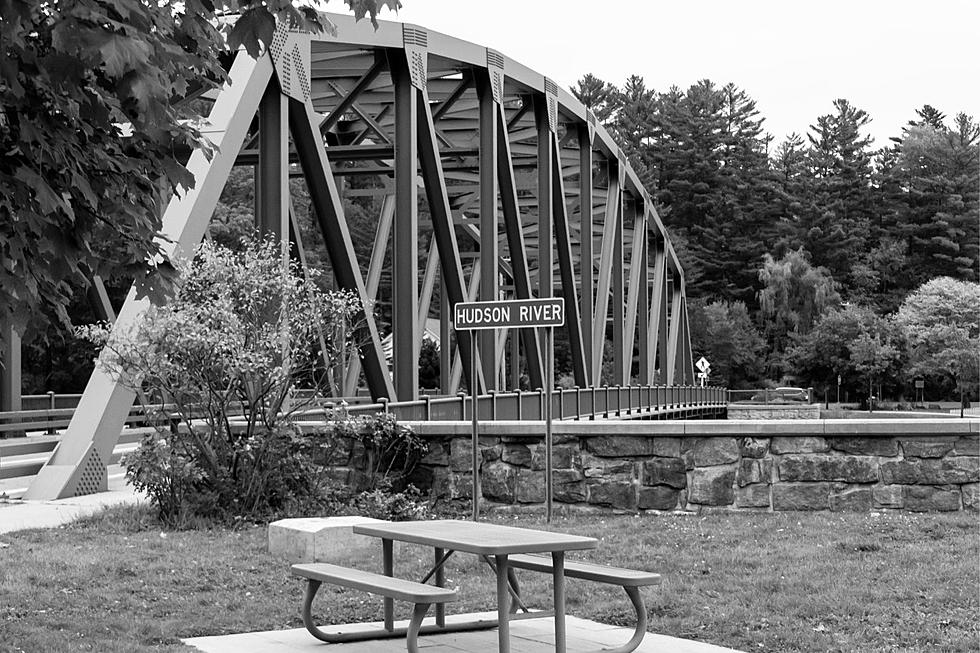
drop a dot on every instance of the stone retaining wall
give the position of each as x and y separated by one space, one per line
850 465
774 411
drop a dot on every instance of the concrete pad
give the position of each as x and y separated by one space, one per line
18 516
527 636
320 539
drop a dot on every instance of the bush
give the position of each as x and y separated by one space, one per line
222 364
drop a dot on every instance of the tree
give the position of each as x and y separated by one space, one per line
837 222
853 343
942 322
602 98
794 295
934 196
91 132
723 333
227 354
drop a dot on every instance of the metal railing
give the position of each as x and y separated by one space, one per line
768 396
607 402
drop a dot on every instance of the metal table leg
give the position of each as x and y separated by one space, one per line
503 604
389 570
558 572
441 582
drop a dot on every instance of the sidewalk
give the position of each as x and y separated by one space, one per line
21 515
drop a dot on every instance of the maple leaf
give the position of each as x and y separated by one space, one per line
122 54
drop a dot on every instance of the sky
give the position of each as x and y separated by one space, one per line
793 57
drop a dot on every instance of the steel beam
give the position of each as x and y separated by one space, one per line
329 211
643 309
605 279
546 255
489 223
350 97
673 338
442 218
620 365
517 250
637 270
657 356
585 243
375 268
404 320
272 189
573 320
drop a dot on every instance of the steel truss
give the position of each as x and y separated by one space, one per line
512 167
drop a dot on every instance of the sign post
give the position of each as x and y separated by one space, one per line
517 313
705 368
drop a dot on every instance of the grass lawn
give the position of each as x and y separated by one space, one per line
753 582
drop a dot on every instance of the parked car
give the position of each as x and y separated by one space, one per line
779 395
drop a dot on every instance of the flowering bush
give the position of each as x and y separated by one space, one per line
220 366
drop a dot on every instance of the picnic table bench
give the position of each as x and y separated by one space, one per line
629 579
394 588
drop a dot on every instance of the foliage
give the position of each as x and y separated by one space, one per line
724 333
793 297
228 355
387 452
429 364
90 128
942 320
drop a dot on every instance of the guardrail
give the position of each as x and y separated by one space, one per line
767 396
607 402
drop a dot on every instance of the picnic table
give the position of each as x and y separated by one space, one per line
492 541
504 548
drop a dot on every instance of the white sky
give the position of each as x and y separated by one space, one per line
793 57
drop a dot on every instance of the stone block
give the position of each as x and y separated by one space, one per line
931 471
801 496
887 496
822 467
665 471
803 444
616 494
461 486
968 445
753 496
616 446
460 455
659 497
599 468
529 486
562 457
516 454
753 447
320 539
753 470
931 448
865 446
498 481
971 496
851 499
569 486
927 498
712 486
437 456
714 451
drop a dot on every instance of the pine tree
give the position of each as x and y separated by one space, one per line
836 225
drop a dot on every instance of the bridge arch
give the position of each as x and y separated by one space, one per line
506 161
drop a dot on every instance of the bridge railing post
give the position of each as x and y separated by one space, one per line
578 404
493 405
540 392
427 407
520 404
462 405
561 402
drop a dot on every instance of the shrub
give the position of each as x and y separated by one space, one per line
220 367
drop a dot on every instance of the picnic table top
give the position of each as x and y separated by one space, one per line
476 537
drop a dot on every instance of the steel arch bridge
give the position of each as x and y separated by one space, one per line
513 168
